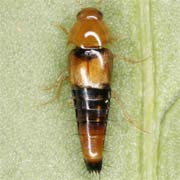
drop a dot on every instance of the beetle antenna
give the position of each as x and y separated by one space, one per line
99 4
81 5
79 2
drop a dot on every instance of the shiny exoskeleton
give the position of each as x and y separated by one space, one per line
90 76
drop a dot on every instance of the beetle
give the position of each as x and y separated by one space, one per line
90 67
90 72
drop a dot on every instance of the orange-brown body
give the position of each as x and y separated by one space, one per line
91 71
89 31
90 76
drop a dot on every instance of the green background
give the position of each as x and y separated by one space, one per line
41 142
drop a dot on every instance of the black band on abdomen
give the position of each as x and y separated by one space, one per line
91 104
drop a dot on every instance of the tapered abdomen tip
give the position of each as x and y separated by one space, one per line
93 166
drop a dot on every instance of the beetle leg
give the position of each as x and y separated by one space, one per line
129 60
57 87
132 61
118 37
125 113
56 83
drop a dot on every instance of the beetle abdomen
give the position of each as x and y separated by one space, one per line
92 107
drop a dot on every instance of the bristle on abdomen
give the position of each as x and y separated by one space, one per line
92 108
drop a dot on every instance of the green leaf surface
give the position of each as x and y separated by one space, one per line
41 142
